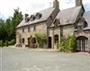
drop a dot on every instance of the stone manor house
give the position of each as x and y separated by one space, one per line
57 24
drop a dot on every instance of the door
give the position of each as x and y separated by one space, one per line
28 42
49 42
81 43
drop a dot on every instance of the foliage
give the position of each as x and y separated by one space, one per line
12 42
68 45
1 43
8 27
41 39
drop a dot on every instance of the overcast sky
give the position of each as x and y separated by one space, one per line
30 6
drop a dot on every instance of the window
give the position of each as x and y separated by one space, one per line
56 38
56 22
32 18
22 29
80 28
27 19
33 28
85 24
38 16
28 28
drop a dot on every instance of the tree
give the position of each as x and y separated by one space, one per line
8 27
2 29
16 19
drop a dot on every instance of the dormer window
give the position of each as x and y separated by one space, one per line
32 18
56 22
81 24
27 18
85 24
38 15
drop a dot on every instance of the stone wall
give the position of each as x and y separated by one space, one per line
53 32
68 30
40 27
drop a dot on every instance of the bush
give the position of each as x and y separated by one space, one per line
12 42
68 45
7 43
1 43
41 39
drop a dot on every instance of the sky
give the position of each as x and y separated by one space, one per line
31 6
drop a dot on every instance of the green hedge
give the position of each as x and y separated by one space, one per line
12 42
7 43
1 43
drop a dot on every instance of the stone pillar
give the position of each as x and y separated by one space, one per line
26 41
53 38
56 4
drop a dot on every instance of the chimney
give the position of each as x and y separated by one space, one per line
26 18
79 3
56 4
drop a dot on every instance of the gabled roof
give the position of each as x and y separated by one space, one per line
69 16
87 18
45 14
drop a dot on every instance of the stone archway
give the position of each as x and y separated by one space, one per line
32 42
81 43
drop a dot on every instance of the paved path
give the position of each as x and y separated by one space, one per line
14 59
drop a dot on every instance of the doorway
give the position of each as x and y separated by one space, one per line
81 43
49 42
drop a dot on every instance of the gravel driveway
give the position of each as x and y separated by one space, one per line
17 59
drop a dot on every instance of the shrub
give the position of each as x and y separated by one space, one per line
6 43
12 42
68 45
1 43
72 43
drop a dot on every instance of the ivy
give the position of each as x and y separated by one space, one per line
41 39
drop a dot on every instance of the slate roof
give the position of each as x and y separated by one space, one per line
87 18
68 16
45 14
